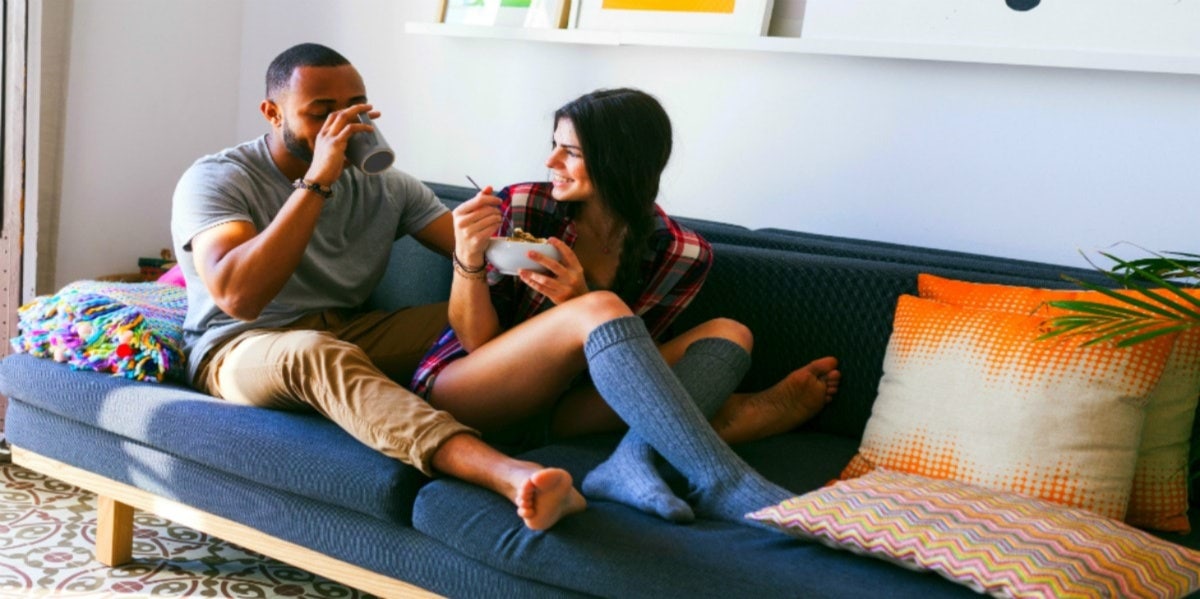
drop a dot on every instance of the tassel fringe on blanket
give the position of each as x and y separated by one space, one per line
134 330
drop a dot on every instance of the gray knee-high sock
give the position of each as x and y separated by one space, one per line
710 371
637 383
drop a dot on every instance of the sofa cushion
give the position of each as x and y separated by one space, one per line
973 395
1001 544
300 453
615 551
1159 497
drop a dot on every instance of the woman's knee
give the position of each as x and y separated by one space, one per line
596 308
732 330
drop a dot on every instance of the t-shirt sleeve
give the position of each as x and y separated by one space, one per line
420 205
207 195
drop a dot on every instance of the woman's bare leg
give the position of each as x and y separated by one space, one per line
792 401
526 369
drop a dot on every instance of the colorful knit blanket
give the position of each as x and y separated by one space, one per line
134 330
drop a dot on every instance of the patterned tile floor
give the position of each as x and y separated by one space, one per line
47 530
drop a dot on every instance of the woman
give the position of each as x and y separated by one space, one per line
627 270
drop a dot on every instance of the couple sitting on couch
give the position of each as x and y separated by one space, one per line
280 243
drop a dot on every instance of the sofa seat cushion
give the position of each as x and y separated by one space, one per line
300 453
389 548
615 551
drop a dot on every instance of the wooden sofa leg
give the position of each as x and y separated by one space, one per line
114 532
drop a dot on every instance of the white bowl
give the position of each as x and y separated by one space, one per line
508 256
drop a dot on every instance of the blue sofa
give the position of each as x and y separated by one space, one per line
294 486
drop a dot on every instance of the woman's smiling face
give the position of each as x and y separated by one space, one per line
568 171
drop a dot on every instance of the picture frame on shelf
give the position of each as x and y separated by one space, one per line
533 14
787 18
1146 27
732 17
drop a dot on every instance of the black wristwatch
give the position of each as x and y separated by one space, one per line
317 187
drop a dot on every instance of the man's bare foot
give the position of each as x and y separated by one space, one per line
782 407
543 495
546 497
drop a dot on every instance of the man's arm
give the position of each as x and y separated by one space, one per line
438 235
245 269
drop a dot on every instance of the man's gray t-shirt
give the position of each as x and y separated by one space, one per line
345 258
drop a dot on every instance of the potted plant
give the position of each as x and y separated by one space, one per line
1149 301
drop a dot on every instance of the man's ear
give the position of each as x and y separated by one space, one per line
271 111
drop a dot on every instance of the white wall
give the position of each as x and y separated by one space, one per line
1025 162
150 87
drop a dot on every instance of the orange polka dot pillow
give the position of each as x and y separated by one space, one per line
1159 499
971 395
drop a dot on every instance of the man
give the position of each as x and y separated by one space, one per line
281 241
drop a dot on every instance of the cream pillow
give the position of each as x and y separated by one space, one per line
1159 499
972 395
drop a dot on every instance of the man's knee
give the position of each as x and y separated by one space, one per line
315 344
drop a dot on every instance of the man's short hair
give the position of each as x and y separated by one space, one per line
279 74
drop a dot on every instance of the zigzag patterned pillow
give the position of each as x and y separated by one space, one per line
1002 544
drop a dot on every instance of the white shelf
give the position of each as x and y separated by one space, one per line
1077 59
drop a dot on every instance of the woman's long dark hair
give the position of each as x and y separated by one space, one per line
625 137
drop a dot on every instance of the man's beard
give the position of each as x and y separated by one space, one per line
294 146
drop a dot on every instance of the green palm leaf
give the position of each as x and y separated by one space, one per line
1142 313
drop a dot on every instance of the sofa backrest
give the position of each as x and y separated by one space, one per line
415 275
827 245
803 306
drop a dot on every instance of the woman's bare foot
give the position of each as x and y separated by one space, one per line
782 407
546 497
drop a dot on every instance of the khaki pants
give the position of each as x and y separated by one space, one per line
346 367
